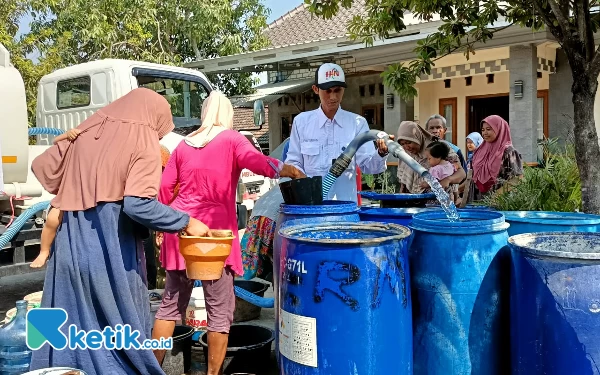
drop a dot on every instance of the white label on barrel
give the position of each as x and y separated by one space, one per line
298 338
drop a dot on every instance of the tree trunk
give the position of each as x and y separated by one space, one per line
587 149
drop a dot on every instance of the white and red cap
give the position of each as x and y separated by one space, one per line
330 75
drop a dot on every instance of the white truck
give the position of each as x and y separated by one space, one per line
66 98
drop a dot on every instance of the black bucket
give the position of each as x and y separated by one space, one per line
249 348
179 359
303 191
245 311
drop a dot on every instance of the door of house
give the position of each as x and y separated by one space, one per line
480 107
448 109
286 125
374 116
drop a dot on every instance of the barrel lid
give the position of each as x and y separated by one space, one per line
55 371
552 218
327 208
366 233
471 222
565 245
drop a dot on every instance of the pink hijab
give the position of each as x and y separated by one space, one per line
117 154
487 159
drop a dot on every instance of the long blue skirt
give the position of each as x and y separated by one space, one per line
96 272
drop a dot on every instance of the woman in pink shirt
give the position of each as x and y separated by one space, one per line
207 166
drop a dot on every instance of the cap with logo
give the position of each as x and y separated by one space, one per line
330 75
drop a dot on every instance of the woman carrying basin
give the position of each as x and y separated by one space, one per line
207 166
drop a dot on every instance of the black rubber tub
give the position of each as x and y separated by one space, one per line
245 311
179 359
303 191
249 348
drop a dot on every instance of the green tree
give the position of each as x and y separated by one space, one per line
67 32
467 22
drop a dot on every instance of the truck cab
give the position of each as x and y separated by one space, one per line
70 95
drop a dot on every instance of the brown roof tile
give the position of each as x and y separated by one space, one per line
243 119
299 25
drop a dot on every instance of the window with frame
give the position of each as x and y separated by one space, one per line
73 93
185 97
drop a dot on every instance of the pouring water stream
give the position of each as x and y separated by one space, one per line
343 161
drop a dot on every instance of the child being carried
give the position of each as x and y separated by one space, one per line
54 216
439 167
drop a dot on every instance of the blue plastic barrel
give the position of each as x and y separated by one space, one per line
346 306
544 221
460 289
401 216
555 310
329 211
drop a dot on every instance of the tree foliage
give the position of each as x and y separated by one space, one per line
467 23
67 32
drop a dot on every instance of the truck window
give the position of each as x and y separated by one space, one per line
185 97
72 93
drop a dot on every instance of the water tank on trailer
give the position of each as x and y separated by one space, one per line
14 138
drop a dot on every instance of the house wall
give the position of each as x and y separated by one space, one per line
430 93
349 66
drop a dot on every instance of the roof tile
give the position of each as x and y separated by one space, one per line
299 25
243 119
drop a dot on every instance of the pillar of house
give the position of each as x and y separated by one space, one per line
523 114
560 99
392 117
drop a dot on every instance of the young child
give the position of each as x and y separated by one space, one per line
439 167
54 216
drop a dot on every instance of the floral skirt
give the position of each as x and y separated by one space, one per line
257 247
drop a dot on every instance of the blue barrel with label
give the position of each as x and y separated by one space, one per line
329 211
460 288
555 310
545 221
346 305
401 216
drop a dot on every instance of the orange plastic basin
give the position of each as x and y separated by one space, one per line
205 256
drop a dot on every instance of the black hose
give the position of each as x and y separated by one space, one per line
343 161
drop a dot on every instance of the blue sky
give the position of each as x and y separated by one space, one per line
281 7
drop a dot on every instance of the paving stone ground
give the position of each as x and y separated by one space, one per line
13 288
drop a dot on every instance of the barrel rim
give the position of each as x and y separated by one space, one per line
402 232
393 211
332 207
396 197
491 221
512 241
560 218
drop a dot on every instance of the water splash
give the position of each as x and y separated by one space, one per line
442 197
328 182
